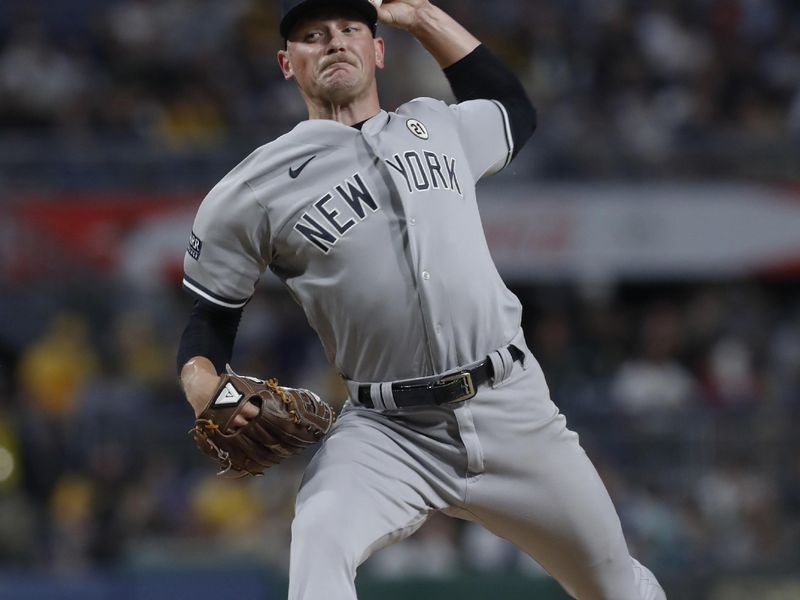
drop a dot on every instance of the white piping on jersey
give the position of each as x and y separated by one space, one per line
201 292
509 137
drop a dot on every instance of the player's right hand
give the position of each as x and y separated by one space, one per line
403 14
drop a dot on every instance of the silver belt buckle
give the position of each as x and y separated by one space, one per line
466 382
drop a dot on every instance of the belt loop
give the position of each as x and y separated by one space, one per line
502 364
386 395
352 389
375 394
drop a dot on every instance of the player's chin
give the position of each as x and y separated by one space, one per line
340 89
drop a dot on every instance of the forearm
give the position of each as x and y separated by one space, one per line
442 36
205 347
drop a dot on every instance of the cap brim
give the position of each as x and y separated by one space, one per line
290 19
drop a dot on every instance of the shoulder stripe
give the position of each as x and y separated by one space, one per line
198 290
509 137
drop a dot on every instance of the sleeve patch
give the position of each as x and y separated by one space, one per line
195 246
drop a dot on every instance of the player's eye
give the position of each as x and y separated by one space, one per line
350 29
312 35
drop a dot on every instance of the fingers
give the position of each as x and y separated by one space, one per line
398 13
238 421
248 413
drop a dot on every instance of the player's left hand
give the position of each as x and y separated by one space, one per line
250 424
403 14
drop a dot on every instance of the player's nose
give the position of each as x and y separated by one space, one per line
336 43
334 49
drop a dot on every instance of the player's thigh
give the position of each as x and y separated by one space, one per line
567 524
541 492
361 492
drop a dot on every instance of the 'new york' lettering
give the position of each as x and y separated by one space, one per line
325 224
426 170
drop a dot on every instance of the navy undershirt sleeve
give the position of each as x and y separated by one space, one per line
481 75
210 332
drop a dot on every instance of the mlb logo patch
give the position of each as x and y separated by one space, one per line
195 246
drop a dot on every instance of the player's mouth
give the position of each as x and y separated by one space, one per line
337 64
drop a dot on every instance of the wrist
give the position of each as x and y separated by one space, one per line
427 21
199 379
441 35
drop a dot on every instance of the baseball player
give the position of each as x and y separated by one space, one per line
370 219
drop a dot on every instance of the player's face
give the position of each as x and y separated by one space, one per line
332 57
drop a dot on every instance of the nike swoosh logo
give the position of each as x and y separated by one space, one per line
295 173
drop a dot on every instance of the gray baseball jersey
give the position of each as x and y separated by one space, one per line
377 235
375 232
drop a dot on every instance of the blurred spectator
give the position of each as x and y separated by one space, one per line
555 351
657 531
53 370
784 357
226 512
140 355
71 527
191 119
40 84
731 378
19 543
654 381
740 506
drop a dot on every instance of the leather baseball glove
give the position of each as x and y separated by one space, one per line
289 421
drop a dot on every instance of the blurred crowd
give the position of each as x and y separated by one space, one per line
686 397
618 81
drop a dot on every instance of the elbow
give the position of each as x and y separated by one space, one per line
524 120
531 118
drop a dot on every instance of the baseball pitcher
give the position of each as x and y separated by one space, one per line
370 219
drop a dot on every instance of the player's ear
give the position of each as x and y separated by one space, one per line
285 64
379 52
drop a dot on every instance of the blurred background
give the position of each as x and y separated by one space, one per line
651 229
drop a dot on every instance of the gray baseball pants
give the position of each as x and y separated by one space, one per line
504 459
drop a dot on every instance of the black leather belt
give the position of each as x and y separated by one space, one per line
455 387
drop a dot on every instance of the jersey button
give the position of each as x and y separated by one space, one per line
426 275
412 221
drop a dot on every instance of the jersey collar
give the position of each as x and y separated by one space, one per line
321 126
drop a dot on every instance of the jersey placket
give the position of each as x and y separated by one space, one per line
371 133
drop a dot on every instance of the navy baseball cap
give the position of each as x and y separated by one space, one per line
294 10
